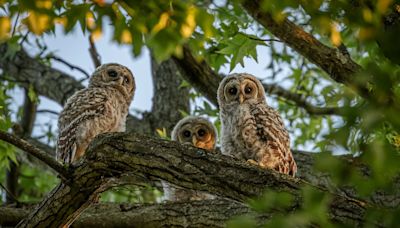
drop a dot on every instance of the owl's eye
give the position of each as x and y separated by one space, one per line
201 132
248 90
232 91
112 73
126 80
186 133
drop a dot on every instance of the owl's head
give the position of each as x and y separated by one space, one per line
240 88
114 75
196 131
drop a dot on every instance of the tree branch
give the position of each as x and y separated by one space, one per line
39 154
206 81
208 213
93 52
108 157
341 68
72 67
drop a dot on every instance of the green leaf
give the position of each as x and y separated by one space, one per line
238 47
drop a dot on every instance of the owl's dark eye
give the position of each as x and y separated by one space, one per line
126 80
112 73
201 132
232 91
186 133
248 90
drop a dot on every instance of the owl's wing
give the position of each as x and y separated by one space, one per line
82 106
274 140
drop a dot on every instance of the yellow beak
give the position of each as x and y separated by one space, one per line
241 98
194 141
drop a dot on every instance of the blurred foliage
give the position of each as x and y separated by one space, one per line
7 151
224 35
132 194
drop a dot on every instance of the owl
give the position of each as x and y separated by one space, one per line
100 108
250 129
199 132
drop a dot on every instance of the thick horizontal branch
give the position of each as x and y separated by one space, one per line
209 213
112 156
37 153
206 81
340 67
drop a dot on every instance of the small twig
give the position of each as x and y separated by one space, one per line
32 150
15 25
24 38
9 194
47 111
73 67
264 40
93 52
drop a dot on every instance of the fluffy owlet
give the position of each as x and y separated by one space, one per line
198 132
100 108
251 129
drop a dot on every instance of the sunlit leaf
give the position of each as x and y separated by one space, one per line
38 23
96 34
335 35
126 37
5 27
190 22
162 23
46 4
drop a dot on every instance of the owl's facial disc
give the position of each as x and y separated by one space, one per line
199 136
203 137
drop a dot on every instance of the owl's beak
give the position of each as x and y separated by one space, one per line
194 140
241 98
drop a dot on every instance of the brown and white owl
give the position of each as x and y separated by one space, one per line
252 130
100 108
199 132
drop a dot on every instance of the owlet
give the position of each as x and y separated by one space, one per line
100 108
198 132
252 130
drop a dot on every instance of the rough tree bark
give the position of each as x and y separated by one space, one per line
208 213
169 97
147 158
